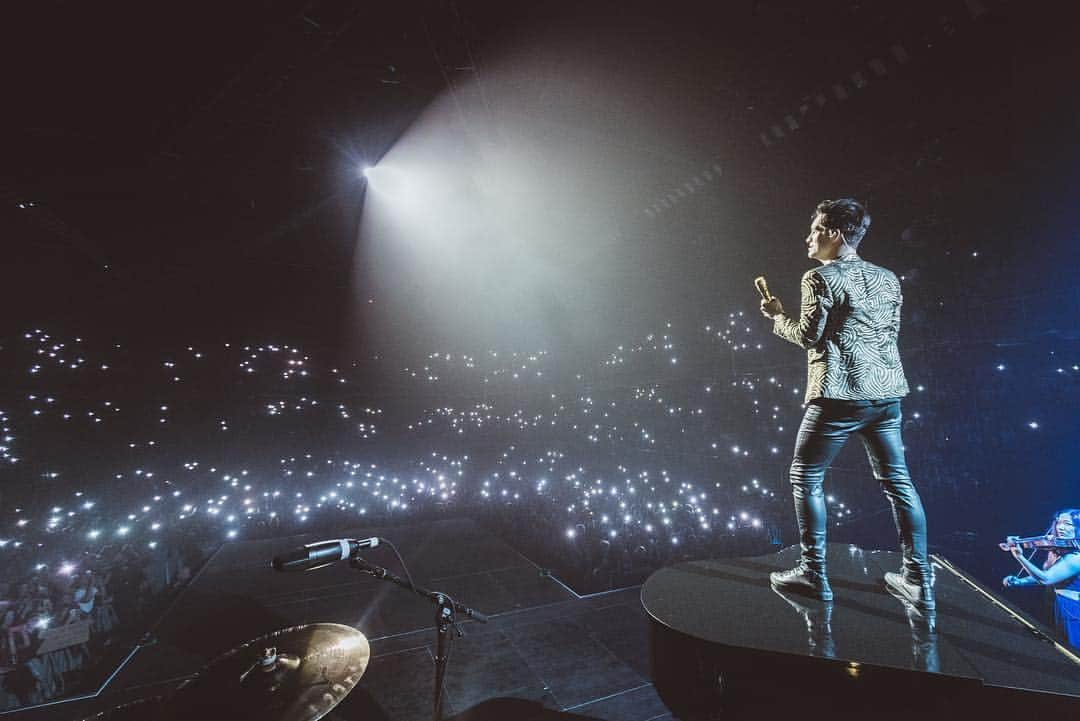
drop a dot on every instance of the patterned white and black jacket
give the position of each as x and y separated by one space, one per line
848 323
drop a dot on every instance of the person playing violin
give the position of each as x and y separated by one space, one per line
1061 571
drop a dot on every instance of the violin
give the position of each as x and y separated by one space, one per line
1051 542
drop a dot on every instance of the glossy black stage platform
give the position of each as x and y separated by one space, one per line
725 644
546 653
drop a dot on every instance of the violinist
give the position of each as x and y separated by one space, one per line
1060 571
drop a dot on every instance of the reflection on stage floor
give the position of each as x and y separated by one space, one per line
721 632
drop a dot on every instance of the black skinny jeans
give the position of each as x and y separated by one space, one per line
825 428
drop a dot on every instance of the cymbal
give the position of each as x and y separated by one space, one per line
295 674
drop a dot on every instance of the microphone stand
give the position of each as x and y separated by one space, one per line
445 619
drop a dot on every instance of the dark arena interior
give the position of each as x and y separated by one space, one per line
404 360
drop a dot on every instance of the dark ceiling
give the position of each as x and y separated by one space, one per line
230 102
197 145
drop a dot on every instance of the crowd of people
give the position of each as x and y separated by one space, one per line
115 459
60 621
121 467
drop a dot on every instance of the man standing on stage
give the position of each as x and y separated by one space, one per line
848 323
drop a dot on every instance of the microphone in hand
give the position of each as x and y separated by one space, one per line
770 306
762 288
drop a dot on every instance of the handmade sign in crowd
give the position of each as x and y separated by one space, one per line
54 639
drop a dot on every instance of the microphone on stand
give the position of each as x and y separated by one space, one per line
322 553
762 288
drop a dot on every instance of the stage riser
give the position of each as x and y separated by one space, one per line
698 680
724 643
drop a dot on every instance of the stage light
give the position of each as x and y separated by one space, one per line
367 171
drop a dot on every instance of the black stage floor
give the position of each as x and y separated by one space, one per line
723 616
549 654
546 652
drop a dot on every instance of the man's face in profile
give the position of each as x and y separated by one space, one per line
822 244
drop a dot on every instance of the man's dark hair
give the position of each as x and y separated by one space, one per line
846 215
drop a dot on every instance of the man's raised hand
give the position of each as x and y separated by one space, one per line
771 308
